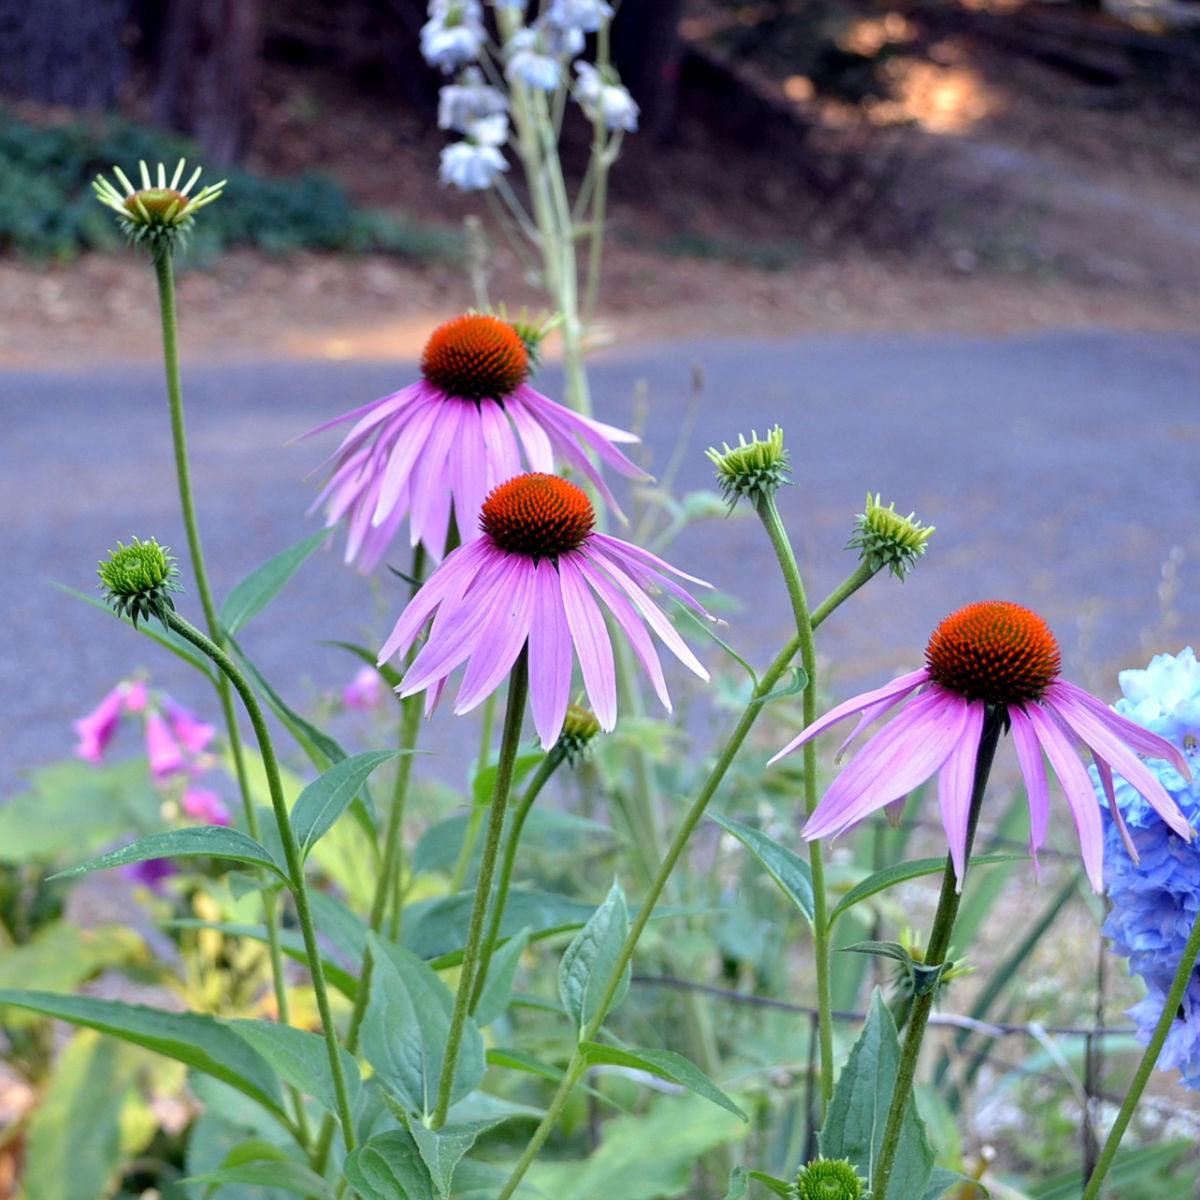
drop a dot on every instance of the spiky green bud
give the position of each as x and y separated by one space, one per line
579 727
829 1179
159 215
884 538
754 469
532 331
137 579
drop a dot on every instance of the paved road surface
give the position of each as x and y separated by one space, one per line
1061 471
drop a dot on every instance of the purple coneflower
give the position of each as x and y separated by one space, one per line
539 575
470 423
998 657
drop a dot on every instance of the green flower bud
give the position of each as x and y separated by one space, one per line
579 727
829 1179
137 579
884 538
754 469
532 331
158 215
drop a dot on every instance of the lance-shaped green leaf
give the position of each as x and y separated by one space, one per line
301 1060
857 1114
497 989
666 1064
590 959
192 1038
406 1026
788 869
326 798
389 1167
291 1176
249 597
210 841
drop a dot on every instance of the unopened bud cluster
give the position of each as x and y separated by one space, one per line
829 1179
884 538
137 580
755 469
579 727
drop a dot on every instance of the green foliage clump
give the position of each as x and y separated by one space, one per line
48 210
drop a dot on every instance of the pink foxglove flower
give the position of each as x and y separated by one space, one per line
163 750
99 727
442 443
539 576
193 733
992 656
205 805
364 691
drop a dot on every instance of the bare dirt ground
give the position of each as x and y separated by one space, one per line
989 193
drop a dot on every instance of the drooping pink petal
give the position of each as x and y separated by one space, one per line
99 727
611 569
188 728
1033 771
630 624
892 693
403 456
502 636
536 442
1110 798
432 487
874 711
895 759
448 582
956 781
503 453
1076 786
1132 734
164 752
592 645
550 656
1096 726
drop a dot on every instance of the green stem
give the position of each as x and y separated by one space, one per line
768 513
1179 985
292 857
510 745
541 776
935 955
164 274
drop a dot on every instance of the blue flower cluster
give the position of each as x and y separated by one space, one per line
1156 901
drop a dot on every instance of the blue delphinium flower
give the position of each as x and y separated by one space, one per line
585 15
1156 899
454 34
474 164
531 61
469 100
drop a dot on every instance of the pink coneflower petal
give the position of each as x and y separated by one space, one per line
397 468
1033 771
956 781
1077 788
892 696
891 693
896 759
550 656
592 644
1099 734
538 450
501 638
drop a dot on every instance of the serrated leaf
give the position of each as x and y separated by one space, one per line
857 1114
192 1038
326 798
666 1064
790 872
249 597
209 841
301 1059
589 960
389 1167
406 1026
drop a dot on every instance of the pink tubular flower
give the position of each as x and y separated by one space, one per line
164 752
205 805
99 727
986 657
363 692
469 424
534 578
188 728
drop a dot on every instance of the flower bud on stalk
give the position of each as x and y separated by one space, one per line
159 215
137 579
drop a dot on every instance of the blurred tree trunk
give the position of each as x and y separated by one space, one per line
647 51
64 51
209 61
